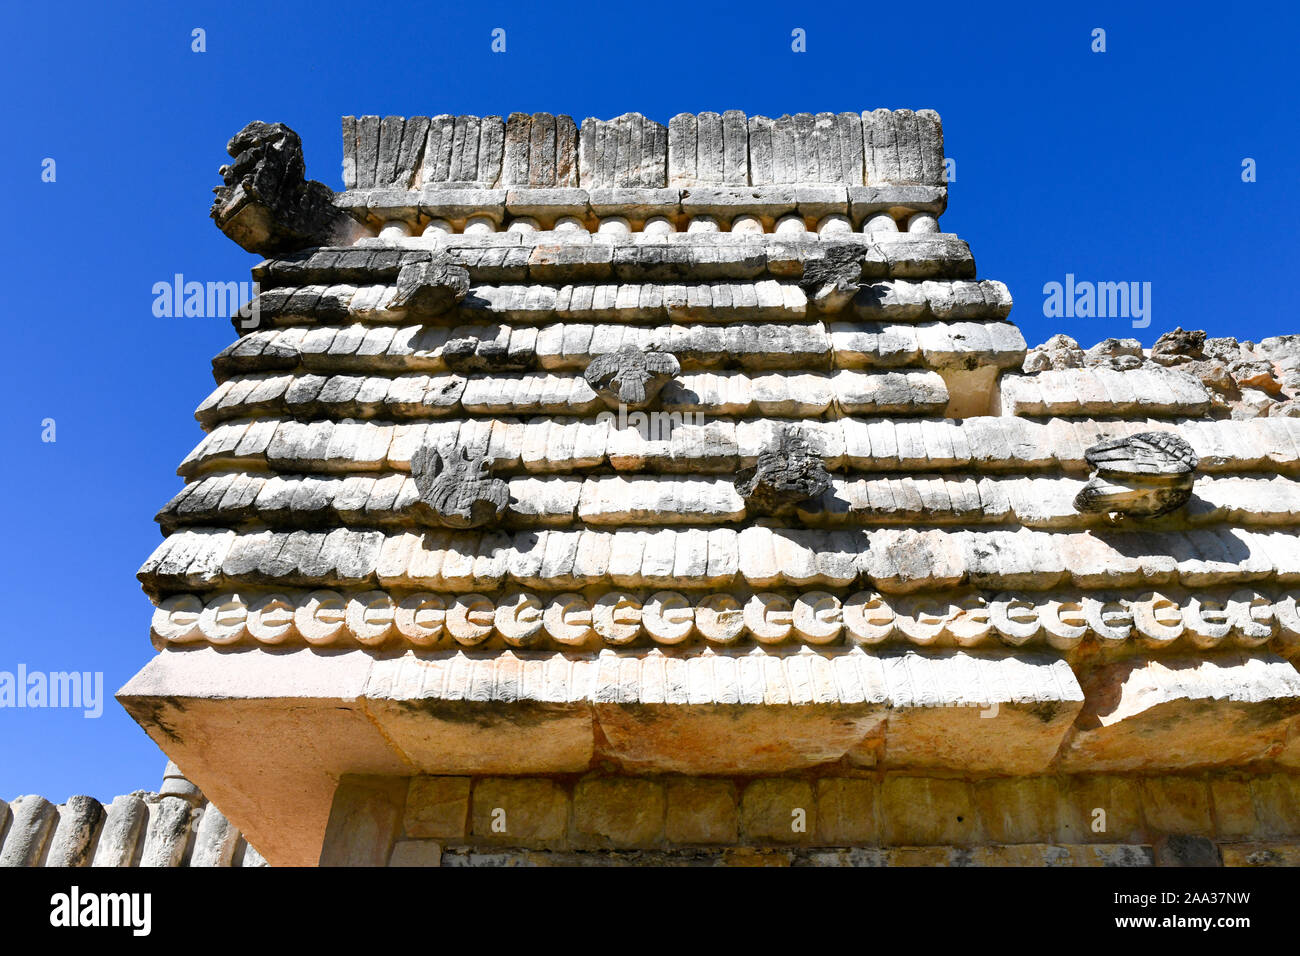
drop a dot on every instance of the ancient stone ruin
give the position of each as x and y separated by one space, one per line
885 587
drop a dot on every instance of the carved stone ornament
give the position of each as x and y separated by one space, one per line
631 377
1141 476
429 288
786 475
456 489
832 280
266 204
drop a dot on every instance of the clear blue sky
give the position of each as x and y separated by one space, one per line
1117 166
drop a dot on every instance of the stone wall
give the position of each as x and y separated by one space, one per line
871 819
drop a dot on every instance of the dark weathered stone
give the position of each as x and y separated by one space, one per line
630 376
266 204
832 280
430 288
787 475
1178 849
456 490
1178 346
1141 476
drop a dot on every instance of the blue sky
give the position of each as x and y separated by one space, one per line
1116 166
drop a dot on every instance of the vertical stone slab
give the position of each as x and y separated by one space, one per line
735 148
879 147
74 836
566 153
120 835
709 156
784 168
541 150
437 149
682 150
249 856
365 821
33 821
805 149
826 146
910 169
367 151
929 131
654 155
627 151
464 150
349 152
761 170
414 135
591 153
849 126
167 834
390 147
215 841
514 164
490 148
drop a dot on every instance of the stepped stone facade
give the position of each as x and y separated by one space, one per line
620 493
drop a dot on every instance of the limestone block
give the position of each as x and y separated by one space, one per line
167 833
629 150
74 836
1260 854
847 811
446 715
1100 809
421 853
701 810
437 807
119 838
540 150
32 822
519 812
779 811
915 393
365 820
726 737
963 711
872 344
215 841
1183 712
928 811
1017 809
619 812
1177 805
1277 803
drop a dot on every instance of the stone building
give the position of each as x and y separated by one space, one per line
612 492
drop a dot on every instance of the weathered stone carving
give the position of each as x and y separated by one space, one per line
785 476
832 280
266 205
429 288
631 377
456 489
1157 620
1141 476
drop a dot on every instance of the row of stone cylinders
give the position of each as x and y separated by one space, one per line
175 827
834 224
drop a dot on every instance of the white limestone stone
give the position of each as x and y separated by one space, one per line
480 226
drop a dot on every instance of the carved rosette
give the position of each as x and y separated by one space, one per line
456 488
785 476
631 377
1141 476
